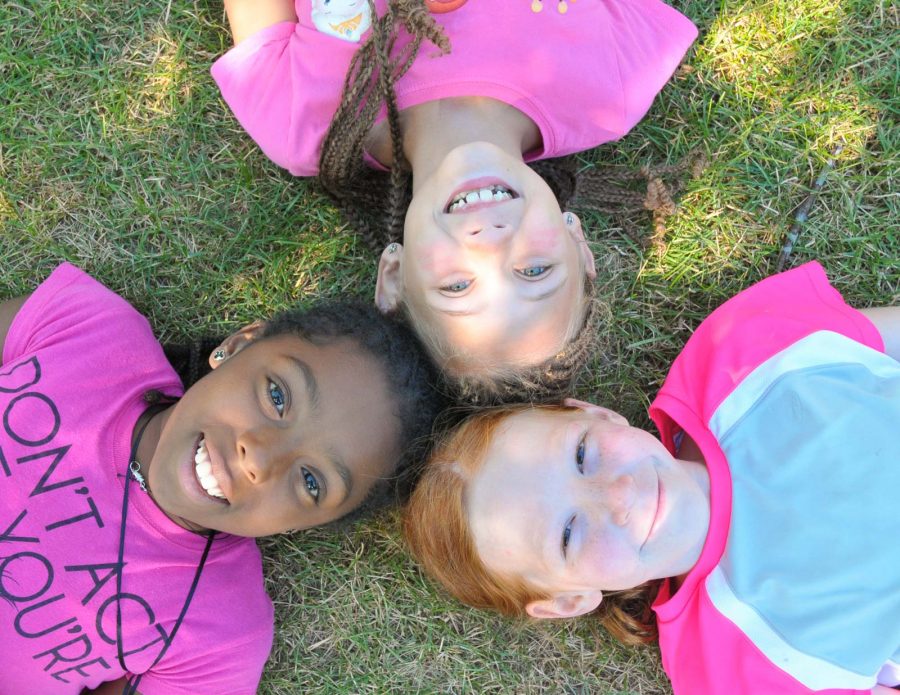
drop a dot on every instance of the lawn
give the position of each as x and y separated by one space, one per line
117 153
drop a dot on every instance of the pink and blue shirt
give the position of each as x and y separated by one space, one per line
795 407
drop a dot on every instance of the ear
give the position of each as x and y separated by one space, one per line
565 605
389 284
573 224
236 342
597 411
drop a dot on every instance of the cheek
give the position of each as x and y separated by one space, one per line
609 560
434 260
546 240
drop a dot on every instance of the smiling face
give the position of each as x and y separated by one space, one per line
577 502
283 434
490 264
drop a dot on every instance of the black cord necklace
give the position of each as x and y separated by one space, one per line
133 470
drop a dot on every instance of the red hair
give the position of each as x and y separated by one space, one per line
436 527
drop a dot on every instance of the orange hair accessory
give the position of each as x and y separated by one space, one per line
442 6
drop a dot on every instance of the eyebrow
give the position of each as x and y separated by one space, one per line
309 379
312 390
344 474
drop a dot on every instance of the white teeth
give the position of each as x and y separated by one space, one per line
482 195
203 469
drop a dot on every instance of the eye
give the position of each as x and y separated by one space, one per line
567 534
312 485
457 286
276 395
579 454
535 271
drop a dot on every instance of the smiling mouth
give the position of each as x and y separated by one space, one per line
203 471
485 195
656 515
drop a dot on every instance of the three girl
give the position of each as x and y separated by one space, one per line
494 276
757 539
128 504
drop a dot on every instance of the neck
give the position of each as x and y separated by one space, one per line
150 439
431 130
156 420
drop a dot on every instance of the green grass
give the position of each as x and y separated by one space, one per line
117 153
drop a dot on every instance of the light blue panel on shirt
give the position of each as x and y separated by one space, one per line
814 542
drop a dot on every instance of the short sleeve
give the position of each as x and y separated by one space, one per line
283 85
69 302
748 329
256 82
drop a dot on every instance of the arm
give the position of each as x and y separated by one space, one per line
887 321
246 17
8 311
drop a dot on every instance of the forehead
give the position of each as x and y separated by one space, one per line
505 501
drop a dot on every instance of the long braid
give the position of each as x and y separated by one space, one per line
370 81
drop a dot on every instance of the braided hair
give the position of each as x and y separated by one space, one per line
375 205
410 375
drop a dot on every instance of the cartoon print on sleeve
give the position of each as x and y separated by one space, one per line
345 19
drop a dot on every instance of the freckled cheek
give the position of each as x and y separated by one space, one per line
603 553
436 259
546 241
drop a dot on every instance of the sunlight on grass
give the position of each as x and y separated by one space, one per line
165 81
760 47
7 211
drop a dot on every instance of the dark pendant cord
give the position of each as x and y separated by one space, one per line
132 684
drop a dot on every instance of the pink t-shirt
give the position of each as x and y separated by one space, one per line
75 365
787 393
584 77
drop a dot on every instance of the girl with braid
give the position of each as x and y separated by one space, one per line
128 503
460 97
756 538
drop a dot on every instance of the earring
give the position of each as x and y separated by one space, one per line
570 219
392 248
219 355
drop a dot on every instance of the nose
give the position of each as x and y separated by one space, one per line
486 227
261 454
614 495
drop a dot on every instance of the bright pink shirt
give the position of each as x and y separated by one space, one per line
75 365
584 77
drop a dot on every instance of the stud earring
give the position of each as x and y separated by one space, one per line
570 219
219 355
392 248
